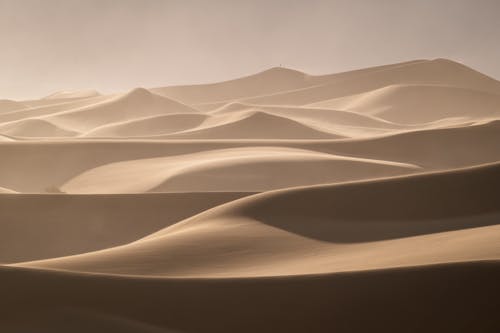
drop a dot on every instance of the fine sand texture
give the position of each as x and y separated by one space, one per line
363 201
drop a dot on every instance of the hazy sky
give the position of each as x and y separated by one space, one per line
115 45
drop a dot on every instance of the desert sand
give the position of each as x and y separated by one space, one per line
363 201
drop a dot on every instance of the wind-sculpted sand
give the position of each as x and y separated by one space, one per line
363 201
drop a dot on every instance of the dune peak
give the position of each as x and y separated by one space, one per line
282 71
139 91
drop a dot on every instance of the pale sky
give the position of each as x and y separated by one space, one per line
116 45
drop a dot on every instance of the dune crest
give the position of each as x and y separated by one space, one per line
225 170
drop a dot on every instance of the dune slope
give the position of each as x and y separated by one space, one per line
245 169
55 225
319 230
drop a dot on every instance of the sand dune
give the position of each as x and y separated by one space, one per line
439 148
238 169
57 225
421 103
341 123
361 201
410 93
149 126
35 127
436 72
28 166
242 126
269 81
137 103
30 111
319 230
237 121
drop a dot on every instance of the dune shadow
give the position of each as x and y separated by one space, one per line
385 209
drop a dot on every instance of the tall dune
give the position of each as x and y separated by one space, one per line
269 81
436 72
135 104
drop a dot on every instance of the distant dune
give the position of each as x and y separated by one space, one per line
363 201
35 127
149 126
420 103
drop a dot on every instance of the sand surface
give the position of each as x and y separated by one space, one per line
364 201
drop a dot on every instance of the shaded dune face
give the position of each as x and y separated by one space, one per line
97 222
281 201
